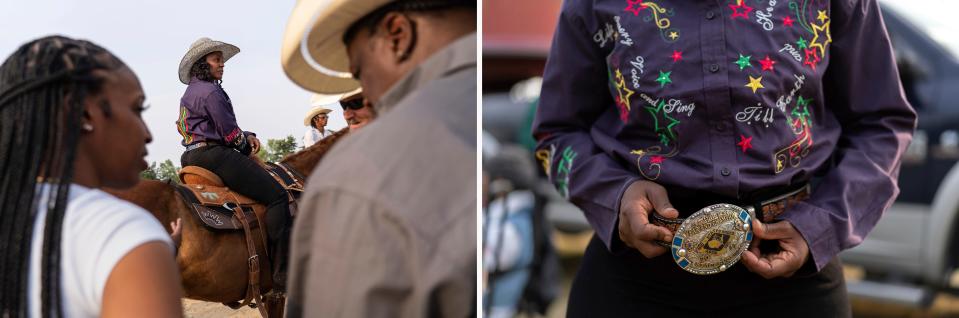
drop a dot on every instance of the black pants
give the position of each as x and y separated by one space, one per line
245 176
631 285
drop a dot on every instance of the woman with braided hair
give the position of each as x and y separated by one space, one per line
69 125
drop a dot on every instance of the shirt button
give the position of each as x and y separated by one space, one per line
725 172
710 15
720 127
714 68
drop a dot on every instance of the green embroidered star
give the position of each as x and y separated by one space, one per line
802 43
743 62
664 78
666 134
803 115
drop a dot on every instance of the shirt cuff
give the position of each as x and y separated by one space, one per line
814 224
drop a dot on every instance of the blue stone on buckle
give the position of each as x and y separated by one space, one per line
712 239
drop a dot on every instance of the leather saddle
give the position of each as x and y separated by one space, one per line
214 204
222 209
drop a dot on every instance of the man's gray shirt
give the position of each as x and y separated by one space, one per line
387 224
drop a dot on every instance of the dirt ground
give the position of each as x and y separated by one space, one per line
198 309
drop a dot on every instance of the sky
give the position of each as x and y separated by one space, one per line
152 36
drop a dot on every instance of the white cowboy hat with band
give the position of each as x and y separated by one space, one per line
317 109
200 48
313 53
319 101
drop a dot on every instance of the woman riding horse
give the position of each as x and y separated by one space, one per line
214 141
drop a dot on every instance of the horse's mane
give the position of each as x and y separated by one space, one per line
305 160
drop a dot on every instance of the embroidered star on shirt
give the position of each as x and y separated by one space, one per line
656 159
622 101
673 35
664 127
822 16
817 31
755 83
664 78
767 63
742 5
745 143
813 60
677 55
634 8
638 152
743 62
801 43
787 21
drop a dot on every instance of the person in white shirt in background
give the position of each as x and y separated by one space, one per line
316 119
70 123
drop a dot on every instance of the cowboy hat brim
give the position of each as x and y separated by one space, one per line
201 48
313 54
308 120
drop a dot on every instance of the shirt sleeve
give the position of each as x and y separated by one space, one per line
861 86
107 229
224 120
574 95
353 257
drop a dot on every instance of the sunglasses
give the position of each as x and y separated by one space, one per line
353 104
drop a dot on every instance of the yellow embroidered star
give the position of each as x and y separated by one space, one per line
817 29
755 83
638 152
822 16
621 87
673 35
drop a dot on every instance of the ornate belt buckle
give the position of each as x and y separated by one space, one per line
712 239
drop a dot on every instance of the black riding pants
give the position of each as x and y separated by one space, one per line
243 175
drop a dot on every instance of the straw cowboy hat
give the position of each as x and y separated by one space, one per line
200 48
318 101
308 120
313 53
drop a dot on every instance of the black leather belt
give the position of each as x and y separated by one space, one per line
766 210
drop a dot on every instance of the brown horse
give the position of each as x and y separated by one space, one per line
213 265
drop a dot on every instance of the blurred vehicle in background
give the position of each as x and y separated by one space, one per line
912 252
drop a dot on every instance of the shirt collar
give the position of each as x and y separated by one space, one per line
458 55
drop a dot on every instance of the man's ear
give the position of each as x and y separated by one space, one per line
401 35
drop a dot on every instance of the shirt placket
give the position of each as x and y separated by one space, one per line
718 101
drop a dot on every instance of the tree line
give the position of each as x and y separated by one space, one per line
273 150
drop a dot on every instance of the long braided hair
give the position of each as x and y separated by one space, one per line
43 85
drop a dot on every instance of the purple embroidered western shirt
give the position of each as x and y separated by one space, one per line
206 114
730 98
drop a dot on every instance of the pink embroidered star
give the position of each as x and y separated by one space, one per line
623 110
741 5
745 143
677 55
633 8
787 21
656 159
811 61
767 63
